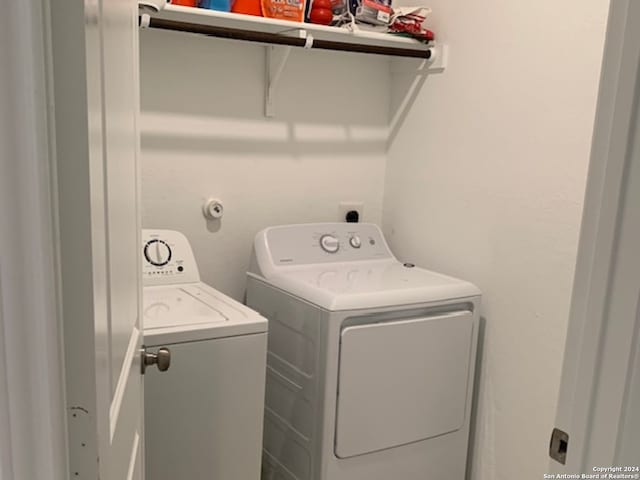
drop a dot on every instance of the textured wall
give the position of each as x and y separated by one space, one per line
204 134
485 180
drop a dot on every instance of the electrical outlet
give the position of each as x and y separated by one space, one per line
344 207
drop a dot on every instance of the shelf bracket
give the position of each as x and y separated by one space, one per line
276 59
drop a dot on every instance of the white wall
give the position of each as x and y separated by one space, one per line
485 180
204 134
485 174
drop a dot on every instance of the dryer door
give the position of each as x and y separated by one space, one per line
402 381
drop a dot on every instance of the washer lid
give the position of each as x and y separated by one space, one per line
369 284
195 311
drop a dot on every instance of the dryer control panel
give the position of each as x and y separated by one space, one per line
320 243
167 258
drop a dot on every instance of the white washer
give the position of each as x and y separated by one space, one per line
203 416
370 364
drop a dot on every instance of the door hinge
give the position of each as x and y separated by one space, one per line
82 447
558 445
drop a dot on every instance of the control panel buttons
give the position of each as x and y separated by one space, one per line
355 241
157 252
329 243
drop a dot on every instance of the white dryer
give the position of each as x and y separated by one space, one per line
370 364
204 415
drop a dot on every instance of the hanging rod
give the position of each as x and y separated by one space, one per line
278 39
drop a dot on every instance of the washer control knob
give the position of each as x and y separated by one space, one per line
355 241
329 243
157 252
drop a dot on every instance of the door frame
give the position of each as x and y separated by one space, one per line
33 439
579 413
31 367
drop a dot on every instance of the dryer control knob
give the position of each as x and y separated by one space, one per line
355 241
329 243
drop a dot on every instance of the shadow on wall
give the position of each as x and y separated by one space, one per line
204 134
171 132
407 87
202 94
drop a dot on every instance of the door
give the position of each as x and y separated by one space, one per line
95 93
598 419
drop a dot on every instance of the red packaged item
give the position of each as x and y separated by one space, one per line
409 21
247 7
321 12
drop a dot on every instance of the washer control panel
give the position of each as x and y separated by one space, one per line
321 243
167 258
329 243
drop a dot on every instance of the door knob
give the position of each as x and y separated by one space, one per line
162 359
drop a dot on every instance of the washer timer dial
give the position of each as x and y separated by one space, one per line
329 243
157 252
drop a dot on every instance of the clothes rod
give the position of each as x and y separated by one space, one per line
277 39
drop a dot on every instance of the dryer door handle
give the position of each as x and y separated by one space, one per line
162 359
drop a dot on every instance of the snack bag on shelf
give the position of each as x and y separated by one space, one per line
374 12
409 21
293 10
